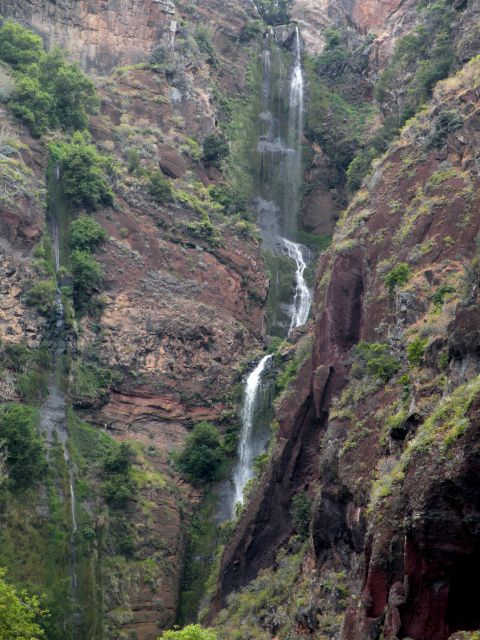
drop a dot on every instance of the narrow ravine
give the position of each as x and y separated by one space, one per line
280 151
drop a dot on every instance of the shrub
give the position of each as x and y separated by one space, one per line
49 91
32 104
19 613
42 295
374 359
86 234
19 46
397 277
25 452
190 632
119 487
301 513
82 168
252 29
159 187
416 350
274 11
202 459
87 276
33 386
215 148
204 41
445 123
233 199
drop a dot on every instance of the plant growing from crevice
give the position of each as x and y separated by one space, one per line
398 276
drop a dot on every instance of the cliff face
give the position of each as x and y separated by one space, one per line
179 309
106 34
383 436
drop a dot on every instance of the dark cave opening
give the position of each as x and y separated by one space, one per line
463 611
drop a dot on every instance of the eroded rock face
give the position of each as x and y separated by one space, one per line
392 465
103 35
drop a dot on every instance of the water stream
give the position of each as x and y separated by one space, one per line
53 417
280 174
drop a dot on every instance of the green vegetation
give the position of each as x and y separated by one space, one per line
375 360
203 38
28 370
301 513
41 295
415 351
86 234
83 171
425 55
215 148
19 613
23 448
445 123
274 11
87 276
190 632
91 381
398 276
49 92
202 460
120 487
159 187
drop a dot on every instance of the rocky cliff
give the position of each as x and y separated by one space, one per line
363 521
379 431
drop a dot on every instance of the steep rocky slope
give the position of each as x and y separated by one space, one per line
380 428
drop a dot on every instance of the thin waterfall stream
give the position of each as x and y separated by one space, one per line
280 150
53 418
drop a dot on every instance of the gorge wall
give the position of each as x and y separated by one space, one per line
364 521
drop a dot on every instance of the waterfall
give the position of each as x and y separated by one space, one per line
53 414
280 174
302 298
246 452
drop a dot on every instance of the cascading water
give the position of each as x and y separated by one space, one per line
302 300
280 173
246 449
53 416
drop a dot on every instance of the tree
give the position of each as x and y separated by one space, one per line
73 93
19 46
24 446
19 614
87 275
82 169
32 104
202 459
190 632
215 148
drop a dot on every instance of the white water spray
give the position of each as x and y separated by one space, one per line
280 154
302 300
246 455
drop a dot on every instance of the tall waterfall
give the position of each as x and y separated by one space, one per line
280 174
53 417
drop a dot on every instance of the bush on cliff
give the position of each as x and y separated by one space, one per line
190 632
83 171
19 613
202 459
87 276
22 445
50 92
215 149
86 234
397 277
159 187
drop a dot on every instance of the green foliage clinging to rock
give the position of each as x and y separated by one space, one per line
50 92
